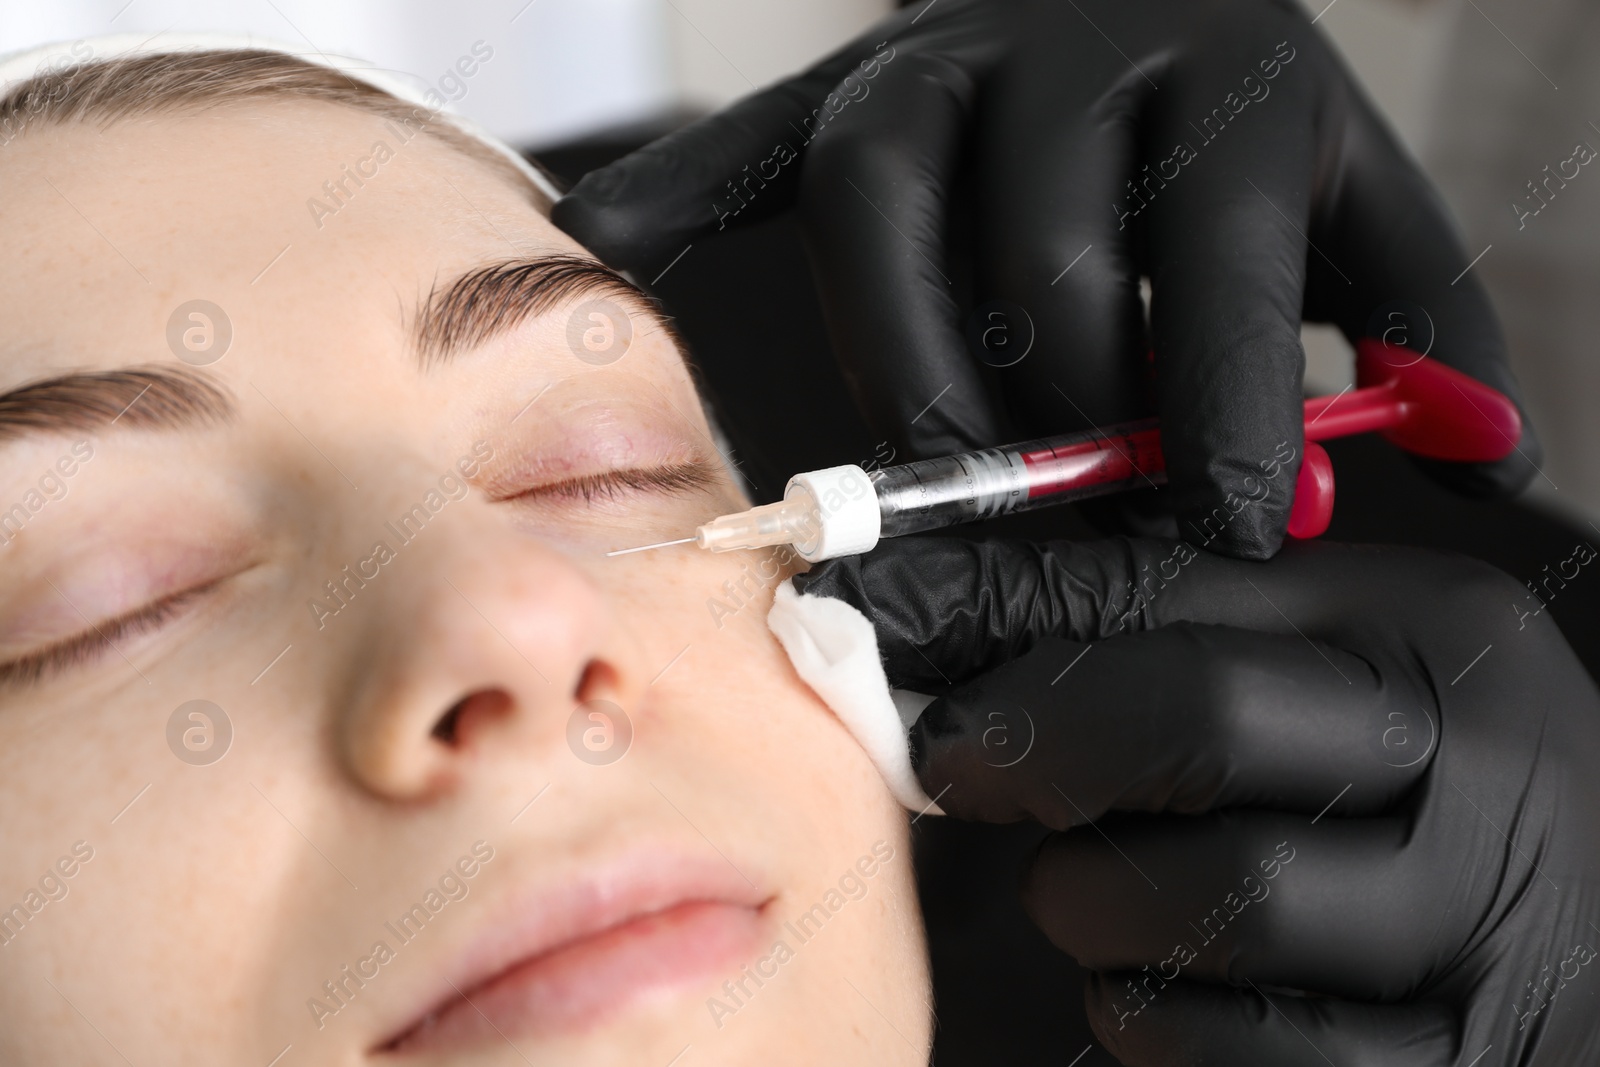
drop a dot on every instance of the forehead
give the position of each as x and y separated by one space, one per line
311 225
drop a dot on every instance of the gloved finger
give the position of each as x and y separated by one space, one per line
1227 247
1146 1021
736 166
873 202
741 164
947 609
1329 905
1048 243
1415 287
1186 719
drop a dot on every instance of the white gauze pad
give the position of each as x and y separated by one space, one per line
835 650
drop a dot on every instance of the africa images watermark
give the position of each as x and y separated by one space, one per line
738 593
199 732
599 732
1144 589
1582 555
1254 890
342 989
51 487
1528 207
853 89
1551 983
53 888
343 588
451 86
852 886
17 120
1255 90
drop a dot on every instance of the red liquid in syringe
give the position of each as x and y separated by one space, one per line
1114 457
934 493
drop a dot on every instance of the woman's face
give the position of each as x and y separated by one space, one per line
384 571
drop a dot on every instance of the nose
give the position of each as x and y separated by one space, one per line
481 646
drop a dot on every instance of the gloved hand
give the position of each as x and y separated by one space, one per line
1365 774
1218 147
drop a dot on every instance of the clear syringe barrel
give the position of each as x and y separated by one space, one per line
933 493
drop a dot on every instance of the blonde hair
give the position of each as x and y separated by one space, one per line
105 91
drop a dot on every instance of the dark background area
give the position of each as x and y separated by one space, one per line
744 302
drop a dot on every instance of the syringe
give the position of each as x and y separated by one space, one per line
1423 406
841 511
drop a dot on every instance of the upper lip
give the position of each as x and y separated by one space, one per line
530 921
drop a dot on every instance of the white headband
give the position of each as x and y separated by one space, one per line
19 67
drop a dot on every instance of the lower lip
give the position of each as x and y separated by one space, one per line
581 984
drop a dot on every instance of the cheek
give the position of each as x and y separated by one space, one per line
802 748
823 808
713 601
733 702
777 763
716 604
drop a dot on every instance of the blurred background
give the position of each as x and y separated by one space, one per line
561 69
1487 93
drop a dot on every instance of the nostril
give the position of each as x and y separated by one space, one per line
445 729
597 679
484 703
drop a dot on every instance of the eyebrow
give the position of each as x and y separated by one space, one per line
139 397
465 313
494 299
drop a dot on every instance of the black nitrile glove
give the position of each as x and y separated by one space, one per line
1218 147
1342 807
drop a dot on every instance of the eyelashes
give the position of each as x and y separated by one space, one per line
673 478
85 647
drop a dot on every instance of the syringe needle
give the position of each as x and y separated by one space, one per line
646 548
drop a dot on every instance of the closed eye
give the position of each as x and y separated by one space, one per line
91 645
610 485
